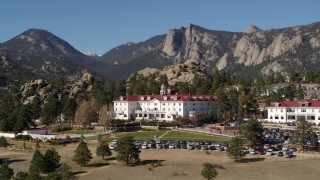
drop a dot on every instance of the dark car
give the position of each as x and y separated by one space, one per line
280 154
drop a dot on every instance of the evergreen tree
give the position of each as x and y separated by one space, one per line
6 172
303 132
36 108
208 171
62 173
51 160
252 132
234 150
126 150
103 149
21 175
50 110
69 108
3 142
82 154
36 164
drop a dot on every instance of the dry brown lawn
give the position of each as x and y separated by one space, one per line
180 164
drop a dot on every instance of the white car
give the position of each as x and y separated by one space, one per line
145 146
269 152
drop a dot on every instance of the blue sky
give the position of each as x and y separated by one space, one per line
100 25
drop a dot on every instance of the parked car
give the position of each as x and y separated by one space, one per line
221 148
280 154
288 154
262 152
269 152
253 151
145 146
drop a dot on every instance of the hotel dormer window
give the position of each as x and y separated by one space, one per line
165 98
121 98
148 98
141 98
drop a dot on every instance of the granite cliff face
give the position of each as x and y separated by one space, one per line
254 50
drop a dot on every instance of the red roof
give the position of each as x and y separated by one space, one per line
170 97
36 129
311 103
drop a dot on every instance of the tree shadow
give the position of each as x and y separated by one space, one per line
9 161
110 158
250 160
218 166
153 162
100 164
78 172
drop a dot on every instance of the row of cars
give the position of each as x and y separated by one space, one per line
279 150
171 144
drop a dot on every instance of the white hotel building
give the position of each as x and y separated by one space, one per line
290 111
164 107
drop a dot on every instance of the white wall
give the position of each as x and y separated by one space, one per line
10 135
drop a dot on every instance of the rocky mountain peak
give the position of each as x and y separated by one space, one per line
251 29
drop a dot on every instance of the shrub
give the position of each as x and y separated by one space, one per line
23 137
61 128
3 142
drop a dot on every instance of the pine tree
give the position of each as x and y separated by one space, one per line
103 149
252 132
126 150
3 142
50 110
62 173
21 175
82 154
5 171
208 171
51 160
234 150
36 164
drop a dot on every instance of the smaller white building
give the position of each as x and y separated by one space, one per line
291 111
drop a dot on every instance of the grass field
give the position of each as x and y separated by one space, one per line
148 135
187 136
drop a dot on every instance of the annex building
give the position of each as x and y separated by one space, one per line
163 107
290 111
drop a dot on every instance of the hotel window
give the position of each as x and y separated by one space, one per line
155 104
271 117
303 110
179 104
168 116
163 109
281 110
162 115
179 109
163 104
185 104
281 117
271 110
276 117
312 110
145 115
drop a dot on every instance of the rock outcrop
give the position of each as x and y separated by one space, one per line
177 73
42 88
